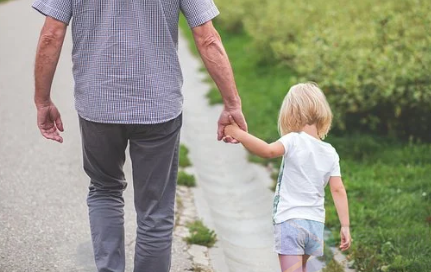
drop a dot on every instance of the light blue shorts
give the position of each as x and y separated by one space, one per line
299 237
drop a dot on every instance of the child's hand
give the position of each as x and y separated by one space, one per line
346 240
231 130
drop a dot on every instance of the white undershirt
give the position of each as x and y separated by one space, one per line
308 165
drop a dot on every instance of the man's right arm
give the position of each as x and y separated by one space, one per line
213 54
47 56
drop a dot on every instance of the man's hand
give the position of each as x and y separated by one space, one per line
49 122
224 120
346 240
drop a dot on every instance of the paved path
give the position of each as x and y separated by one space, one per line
43 215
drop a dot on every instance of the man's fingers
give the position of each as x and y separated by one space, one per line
239 121
231 120
59 124
243 126
53 137
220 132
52 134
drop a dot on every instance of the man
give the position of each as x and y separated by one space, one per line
128 91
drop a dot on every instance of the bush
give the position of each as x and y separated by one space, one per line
234 11
200 234
186 179
371 58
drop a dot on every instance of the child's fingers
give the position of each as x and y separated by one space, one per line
345 242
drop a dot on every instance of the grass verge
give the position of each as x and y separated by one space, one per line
184 156
186 179
200 234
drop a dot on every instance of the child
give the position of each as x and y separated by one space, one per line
308 165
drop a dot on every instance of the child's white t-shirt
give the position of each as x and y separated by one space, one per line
308 165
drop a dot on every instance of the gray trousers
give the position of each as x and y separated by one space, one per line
154 156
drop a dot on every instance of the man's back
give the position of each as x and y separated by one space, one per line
125 59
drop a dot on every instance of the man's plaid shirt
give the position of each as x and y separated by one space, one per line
125 61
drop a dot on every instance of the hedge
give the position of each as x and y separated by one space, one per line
371 58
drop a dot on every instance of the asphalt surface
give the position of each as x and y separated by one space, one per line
43 213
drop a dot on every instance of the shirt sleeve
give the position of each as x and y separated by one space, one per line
57 9
288 142
336 172
198 12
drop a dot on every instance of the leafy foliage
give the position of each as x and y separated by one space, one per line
371 59
333 266
233 13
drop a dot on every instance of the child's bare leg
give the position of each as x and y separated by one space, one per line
304 262
291 263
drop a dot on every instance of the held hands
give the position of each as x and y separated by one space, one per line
230 117
346 240
231 129
49 122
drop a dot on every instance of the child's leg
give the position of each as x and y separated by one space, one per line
291 263
304 262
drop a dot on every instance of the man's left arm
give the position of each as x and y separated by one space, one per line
199 14
216 61
47 55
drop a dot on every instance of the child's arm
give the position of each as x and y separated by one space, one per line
341 204
254 144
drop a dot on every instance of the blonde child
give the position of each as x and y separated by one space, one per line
308 165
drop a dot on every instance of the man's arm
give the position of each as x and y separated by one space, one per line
47 56
213 54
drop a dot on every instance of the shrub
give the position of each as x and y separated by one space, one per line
186 179
200 234
184 156
333 266
234 11
371 58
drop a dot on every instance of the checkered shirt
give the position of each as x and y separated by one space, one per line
125 61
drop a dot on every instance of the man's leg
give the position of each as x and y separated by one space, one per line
154 154
103 148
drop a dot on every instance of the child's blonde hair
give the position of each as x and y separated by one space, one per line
305 104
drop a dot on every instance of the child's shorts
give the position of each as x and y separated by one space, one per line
299 237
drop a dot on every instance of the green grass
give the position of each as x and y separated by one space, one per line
388 182
184 156
200 234
333 266
186 179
